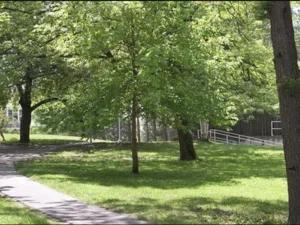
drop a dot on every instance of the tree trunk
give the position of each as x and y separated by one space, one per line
186 145
134 109
2 135
25 91
138 129
154 130
129 131
25 102
288 86
135 163
147 131
166 136
25 125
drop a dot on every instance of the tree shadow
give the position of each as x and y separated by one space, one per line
15 214
110 165
162 169
203 210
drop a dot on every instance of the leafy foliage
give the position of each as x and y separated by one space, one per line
192 60
179 60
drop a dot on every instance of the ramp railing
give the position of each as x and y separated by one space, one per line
237 139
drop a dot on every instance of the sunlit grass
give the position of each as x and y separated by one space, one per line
230 184
44 139
14 213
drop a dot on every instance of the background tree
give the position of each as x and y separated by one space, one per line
30 63
174 62
211 72
244 59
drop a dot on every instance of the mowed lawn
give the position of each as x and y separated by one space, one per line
41 139
46 139
229 185
14 213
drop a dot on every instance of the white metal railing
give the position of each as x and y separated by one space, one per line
274 128
233 138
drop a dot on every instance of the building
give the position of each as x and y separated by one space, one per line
14 115
262 125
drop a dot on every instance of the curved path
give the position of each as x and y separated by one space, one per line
46 200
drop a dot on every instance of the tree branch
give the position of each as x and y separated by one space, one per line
44 102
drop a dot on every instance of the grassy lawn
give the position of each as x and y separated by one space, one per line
229 185
41 139
14 213
46 139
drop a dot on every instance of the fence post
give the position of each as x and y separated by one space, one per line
215 135
271 128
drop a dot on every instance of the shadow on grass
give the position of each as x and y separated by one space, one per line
107 165
207 210
11 213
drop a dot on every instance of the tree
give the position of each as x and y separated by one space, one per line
287 76
31 64
83 110
180 94
243 59
177 62
211 73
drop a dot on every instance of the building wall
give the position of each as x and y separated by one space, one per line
259 126
14 115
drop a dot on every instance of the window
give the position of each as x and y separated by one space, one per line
10 113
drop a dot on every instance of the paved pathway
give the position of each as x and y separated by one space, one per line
39 197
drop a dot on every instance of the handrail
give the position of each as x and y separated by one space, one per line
232 134
274 128
248 138
240 139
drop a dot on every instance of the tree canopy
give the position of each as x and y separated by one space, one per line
178 62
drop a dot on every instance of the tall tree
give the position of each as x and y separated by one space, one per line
174 62
30 62
288 82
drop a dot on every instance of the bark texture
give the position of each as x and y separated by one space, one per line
147 131
154 130
129 130
138 129
166 132
186 145
287 76
25 125
25 102
135 162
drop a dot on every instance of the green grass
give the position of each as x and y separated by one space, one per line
14 213
229 185
41 139
45 139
